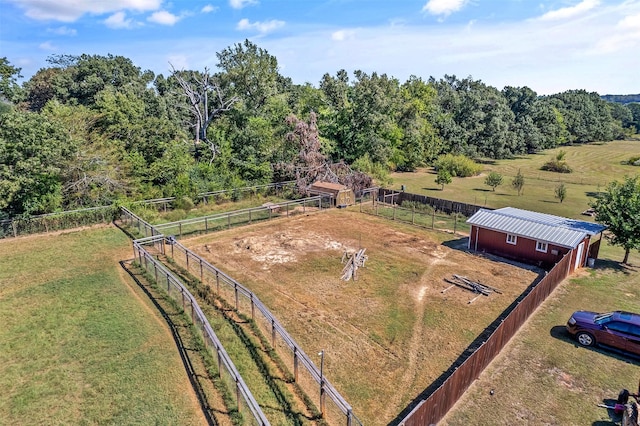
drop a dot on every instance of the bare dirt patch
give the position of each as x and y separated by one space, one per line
391 333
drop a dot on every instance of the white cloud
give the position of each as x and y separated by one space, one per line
240 4
342 35
261 27
64 31
570 12
631 22
443 7
625 36
119 21
163 17
208 9
71 10
48 46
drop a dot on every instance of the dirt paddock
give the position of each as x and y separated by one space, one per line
390 333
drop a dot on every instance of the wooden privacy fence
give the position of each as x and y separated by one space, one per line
226 369
390 196
433 408
305 372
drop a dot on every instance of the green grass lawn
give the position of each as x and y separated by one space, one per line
594 166
78 343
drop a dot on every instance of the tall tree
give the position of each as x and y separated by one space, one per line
619 209
518 182
206 101
9 89
250 73
32 153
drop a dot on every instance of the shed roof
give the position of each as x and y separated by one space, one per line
539 226
328 186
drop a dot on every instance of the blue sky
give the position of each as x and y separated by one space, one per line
548 45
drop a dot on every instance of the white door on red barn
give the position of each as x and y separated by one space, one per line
579 255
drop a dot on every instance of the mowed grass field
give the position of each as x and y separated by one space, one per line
594 166
79 343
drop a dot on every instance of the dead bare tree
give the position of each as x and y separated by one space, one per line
206 102
312 165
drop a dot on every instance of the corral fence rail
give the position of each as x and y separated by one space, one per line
430 218
305 372
434 407
309 377
50 222
235 194
174 288
68 219
233 218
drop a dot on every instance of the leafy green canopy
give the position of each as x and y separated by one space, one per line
619 209
118 131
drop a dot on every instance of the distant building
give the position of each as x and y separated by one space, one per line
535 238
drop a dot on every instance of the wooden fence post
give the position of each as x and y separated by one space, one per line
295 364
236 293
253 309
273 333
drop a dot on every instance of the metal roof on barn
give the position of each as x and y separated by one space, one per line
538 226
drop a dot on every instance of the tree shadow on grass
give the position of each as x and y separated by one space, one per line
611 265
482 190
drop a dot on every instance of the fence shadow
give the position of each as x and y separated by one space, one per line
207 410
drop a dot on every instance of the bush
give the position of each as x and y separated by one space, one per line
633 161
556 166
418 206
183 203
376 170
458 165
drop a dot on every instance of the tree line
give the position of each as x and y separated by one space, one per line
90 130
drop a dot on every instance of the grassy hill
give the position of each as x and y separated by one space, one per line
594 166
79 343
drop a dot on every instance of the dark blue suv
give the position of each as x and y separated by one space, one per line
620 330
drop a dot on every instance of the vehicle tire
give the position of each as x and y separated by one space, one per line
585 339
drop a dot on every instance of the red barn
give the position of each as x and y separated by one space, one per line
532 237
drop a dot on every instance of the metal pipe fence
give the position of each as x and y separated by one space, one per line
133 221
248 216
234 194
305 373
427 218
19 226
246 403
